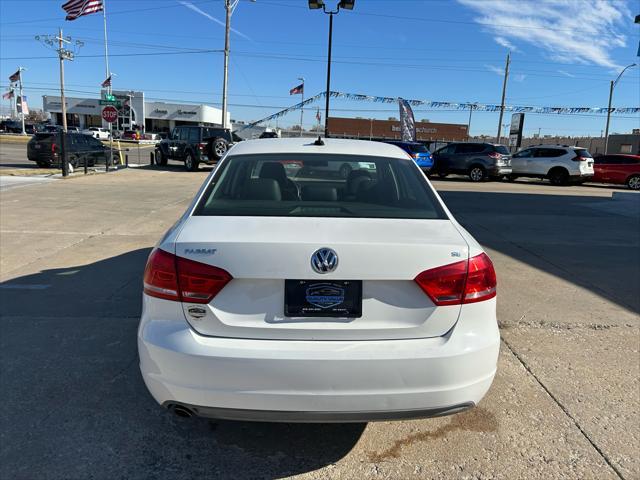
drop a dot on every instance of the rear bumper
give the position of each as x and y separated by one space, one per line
500 171
279 380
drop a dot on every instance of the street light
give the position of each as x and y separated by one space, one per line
315 5
230 6
611 86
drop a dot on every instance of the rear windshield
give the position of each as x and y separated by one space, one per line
502 149
43 135
319 186
581 152
418 148
211 132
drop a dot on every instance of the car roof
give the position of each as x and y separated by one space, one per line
332 146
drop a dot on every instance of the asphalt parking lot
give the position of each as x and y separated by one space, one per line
565 402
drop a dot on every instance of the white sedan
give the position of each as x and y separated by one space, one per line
97 132
279 297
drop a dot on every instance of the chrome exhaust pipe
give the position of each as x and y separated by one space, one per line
182 411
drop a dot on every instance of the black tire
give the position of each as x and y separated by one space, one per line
558 176
345 170
160 158
477 173
443 174
219 148
511 178
633 182
43 164
190 162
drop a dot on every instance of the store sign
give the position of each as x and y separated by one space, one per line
396 128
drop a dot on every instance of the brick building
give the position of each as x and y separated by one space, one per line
366 128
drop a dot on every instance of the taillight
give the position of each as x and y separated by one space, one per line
461 282
578 158
179 279
495 155
202 146
53 148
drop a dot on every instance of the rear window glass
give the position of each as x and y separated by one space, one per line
319 186
44 135
211 132
581 152
418 148
502 149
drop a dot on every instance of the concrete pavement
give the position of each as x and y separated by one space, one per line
564 403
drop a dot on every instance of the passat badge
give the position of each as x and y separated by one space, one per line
200 251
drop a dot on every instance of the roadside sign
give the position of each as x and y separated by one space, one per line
110 114
110 102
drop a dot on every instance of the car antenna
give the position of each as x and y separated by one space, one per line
319 141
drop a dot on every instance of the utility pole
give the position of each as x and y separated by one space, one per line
228 8
611 87
504 94
63 149
57 43
471 107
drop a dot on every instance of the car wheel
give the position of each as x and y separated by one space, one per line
43 164
190 163
477 174
220 148
510 178
443 175
345 170
160 158
559 176
634 182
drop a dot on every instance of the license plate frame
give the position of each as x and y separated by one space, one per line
323 298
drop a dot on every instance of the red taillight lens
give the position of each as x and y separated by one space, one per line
202 146
460 282
161 276
199 283
495 155
578 158
53 148
481 280
444 285
179 279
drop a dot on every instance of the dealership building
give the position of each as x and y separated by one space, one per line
366 128
133 110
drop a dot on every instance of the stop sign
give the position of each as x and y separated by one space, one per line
110 114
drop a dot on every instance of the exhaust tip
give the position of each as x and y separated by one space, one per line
182 411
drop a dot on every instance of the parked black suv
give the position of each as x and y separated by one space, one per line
44 149
194 145
479 161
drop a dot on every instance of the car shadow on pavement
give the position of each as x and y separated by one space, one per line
75 405
591 242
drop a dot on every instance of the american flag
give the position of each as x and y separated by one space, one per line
15 77
107 82
78 8
8 95
297 90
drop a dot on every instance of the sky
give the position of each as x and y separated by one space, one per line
563 53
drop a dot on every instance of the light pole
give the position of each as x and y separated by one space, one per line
230 6
302 107
611 87
315 5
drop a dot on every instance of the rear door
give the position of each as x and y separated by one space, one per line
622 167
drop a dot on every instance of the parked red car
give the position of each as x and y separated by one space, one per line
130 135
619 168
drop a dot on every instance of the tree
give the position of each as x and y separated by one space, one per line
35 116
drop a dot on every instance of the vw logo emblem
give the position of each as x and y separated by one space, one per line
324 260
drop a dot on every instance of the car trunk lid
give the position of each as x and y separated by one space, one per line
261 253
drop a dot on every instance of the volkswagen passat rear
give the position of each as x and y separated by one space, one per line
297 295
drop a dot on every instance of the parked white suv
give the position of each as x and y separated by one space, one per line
559 163
97 132
294 297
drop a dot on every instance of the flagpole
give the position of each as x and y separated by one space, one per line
20 69
302 106
106 44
